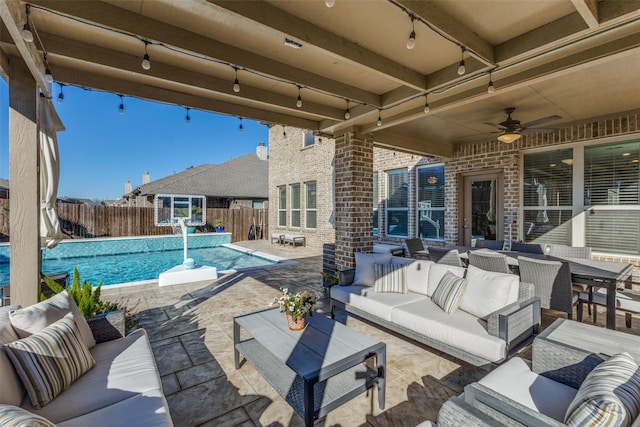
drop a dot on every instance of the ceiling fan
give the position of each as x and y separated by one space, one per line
512 129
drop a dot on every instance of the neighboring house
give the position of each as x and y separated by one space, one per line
4 188
577 186
242 181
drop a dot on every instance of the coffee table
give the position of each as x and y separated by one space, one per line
314 370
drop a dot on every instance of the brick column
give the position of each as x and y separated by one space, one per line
354 197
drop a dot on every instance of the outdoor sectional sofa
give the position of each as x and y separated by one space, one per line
123 387
496 314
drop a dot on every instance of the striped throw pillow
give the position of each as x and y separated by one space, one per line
390 278
609 396
48 361
14 416
448 292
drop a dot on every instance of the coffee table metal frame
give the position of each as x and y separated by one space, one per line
315 370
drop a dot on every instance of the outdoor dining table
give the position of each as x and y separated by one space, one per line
590 272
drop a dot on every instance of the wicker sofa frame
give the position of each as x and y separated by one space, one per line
516 323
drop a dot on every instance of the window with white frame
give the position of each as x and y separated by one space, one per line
548 197
310 213
398 203
376 201
430 202
295 205
612 197
308 139
282 206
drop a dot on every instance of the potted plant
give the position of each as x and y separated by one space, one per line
219 225
296 307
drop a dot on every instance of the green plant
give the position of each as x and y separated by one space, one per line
333 279
297 305
219 222
87 298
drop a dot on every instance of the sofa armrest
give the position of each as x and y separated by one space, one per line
518 321
107 326
455 412
504 409
346 277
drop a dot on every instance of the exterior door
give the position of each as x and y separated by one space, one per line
482 207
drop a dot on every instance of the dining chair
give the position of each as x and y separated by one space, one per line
570 251
627 301
445 256
489 261
413 246
552 283
496 245
532 248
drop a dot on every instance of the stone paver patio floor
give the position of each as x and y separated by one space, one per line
191 330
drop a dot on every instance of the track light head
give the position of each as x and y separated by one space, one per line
379 122
299 102
347 114
236 86
461 68
426 107
491 88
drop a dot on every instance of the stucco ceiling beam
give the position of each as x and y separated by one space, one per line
151 29
393 141
430 12
167 96
270 16
13 15
588 10
80 51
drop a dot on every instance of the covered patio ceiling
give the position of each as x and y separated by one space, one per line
578 59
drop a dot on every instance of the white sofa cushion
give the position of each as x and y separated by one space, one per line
515 380
11 390
610 394
461 329
50 360
390 278
124 368
416 274
436 271
364 274
376 304
488 291
34 318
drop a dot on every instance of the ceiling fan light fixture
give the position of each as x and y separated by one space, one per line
509 137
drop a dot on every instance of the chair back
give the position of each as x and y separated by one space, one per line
551 281
489 261
570 251
496 245
532 248
413 245
444 256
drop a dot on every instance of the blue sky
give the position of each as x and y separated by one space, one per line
102 149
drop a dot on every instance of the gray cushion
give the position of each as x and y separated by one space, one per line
11 391
364 274
14 416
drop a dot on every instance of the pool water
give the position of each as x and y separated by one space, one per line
125 268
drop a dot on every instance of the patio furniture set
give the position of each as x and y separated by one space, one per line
58 368
292 239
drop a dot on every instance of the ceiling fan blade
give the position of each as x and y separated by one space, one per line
540 121
538 130
496 125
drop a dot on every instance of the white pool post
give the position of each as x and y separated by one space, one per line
184 237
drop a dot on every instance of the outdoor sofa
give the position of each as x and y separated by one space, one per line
496 313
123 387
579 375
291 238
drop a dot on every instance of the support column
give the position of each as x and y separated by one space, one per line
24 162
354 198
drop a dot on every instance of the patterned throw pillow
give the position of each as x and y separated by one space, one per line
390 278
48 361
449 291
610 394
13 416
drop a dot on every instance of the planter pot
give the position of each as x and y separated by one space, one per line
296 324
219 229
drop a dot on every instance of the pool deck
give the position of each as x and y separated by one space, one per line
191 330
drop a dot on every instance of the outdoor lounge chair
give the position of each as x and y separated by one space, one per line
413 246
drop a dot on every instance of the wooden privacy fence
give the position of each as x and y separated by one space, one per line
87 221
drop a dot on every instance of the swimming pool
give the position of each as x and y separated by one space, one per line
139 266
